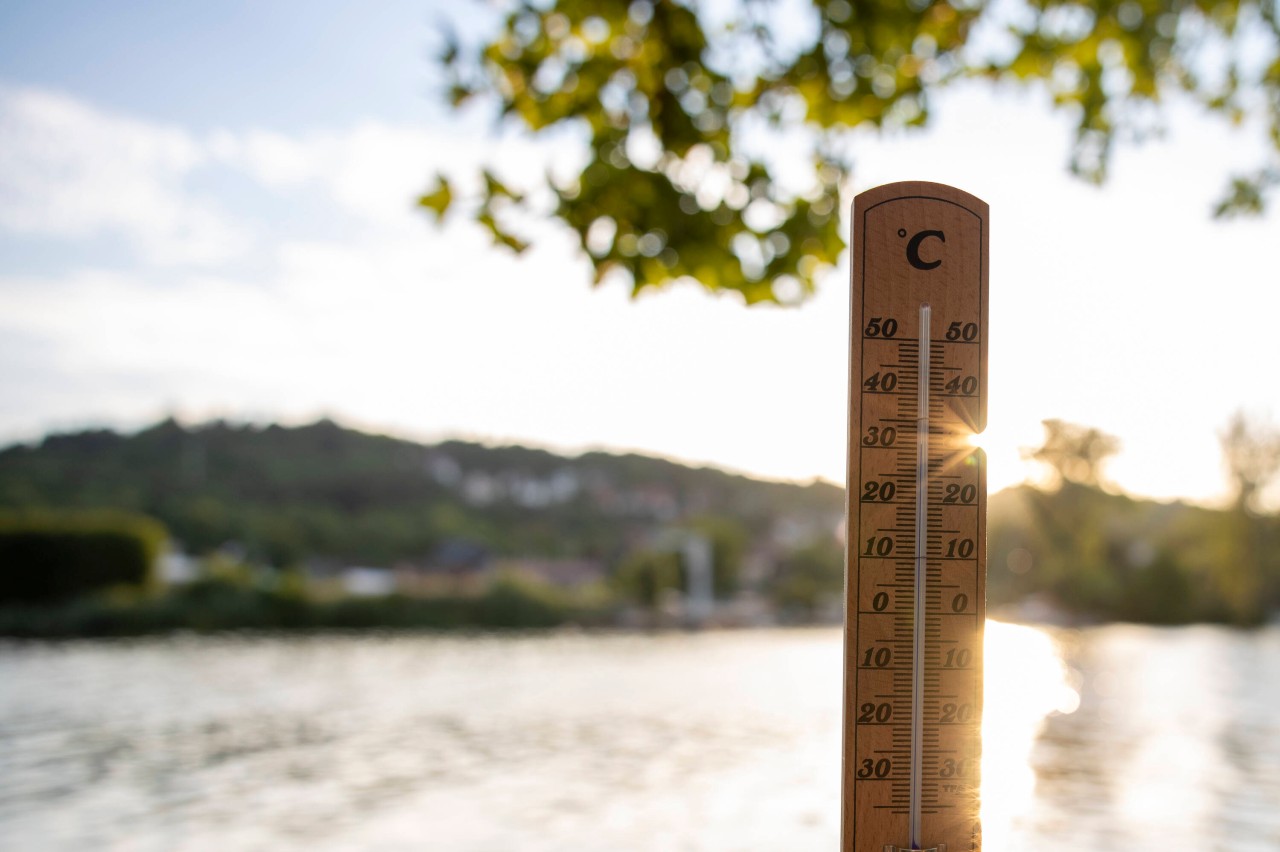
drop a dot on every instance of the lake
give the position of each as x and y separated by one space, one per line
1110 738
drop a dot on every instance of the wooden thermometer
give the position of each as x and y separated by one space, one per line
915 583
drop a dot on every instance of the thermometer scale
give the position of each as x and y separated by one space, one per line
915 587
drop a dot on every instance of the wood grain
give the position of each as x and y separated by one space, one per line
915 243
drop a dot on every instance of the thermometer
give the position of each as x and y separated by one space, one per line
915 581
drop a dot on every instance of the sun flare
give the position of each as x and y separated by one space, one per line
1026 681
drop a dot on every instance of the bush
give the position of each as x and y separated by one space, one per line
48 558
224 602
514 601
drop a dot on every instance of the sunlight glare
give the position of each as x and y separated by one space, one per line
1026 681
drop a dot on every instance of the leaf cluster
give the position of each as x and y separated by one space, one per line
699 117
1112 63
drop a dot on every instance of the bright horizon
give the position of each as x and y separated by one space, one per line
237 238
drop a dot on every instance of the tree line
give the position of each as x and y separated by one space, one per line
1073 543
1102 555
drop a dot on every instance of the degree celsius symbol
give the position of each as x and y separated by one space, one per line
915 585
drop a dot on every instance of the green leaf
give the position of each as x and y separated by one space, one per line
500 234
495 188
438 201
1244 197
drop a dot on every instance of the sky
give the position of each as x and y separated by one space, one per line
207 210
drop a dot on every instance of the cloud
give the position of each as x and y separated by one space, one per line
376 171
70 171
369 317
373 170
75 172
383 318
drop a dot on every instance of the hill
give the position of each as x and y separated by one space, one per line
323 493
285 495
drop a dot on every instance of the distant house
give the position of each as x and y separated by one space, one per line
174 567
334 577
459 557
368 582
455 566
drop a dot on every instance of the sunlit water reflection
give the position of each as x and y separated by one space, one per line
714 741
1025 682
1175 746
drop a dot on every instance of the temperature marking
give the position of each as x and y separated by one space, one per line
916 553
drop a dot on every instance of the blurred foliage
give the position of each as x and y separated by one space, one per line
285 496
808 578
1251 454
646 575
1106 556
1074 453
242 495
231 602
48 556
690 111
729 539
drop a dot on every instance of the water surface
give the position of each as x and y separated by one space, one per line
1108 739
